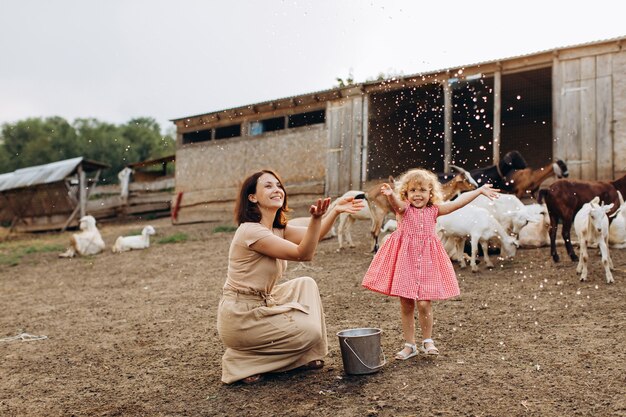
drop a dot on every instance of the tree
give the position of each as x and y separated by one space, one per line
38 141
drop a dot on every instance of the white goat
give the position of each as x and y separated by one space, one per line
477 224
390 226
346 220
87 242
617 229
536 234
592 224
126 243
509 211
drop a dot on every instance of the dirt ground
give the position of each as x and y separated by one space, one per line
134 334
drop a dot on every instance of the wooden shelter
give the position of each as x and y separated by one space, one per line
567 103
48 197
145 189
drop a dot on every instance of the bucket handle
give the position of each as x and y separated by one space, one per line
364 364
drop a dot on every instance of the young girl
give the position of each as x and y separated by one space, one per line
412 263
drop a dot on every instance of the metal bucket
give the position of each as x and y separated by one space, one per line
361 351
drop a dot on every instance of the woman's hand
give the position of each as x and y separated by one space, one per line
318 210
488 191
349 205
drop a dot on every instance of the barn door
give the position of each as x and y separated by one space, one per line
583 111
345 140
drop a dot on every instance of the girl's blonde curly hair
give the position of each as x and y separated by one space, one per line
420 177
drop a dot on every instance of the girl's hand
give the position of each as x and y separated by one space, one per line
318 210
349 205
386 189
488 191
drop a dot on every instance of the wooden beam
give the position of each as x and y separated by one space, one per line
82 190
497 115
447 126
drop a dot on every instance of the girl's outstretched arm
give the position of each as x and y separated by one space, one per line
393 199
449 206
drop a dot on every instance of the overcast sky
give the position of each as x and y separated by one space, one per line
118 59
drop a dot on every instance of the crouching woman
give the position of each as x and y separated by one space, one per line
268 327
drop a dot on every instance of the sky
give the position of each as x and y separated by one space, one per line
116 60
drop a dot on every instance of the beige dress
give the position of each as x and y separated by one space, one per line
266 327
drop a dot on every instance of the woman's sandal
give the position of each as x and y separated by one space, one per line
253 379
402 355
430 350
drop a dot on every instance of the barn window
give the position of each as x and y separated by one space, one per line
308 118
197 136
226 132
267 125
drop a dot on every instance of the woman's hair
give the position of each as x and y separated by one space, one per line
247 211
420 177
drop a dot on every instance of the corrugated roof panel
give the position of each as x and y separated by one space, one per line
40 174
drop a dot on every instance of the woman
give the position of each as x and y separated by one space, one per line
267 327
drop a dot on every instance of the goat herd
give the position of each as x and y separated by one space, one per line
595 208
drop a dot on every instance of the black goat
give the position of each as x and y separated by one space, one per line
495 174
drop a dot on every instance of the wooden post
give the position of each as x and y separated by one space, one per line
497 114
447 123
364 148
82 190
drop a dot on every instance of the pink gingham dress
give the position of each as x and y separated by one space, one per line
412 262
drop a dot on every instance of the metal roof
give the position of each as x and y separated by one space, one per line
45 174
332 92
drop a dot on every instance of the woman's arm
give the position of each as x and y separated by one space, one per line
467 197
343 205
276 247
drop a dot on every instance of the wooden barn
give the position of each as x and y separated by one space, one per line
48 197
567 103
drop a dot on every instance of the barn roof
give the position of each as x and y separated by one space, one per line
46 174
338 92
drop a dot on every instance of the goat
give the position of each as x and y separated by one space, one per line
379 205
592 224
535 234
509 211
126 243
390 226
524 182
87 242
496 174
617 230
346 220
480 226
565 197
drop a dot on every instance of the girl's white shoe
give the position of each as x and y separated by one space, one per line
429 350
403 355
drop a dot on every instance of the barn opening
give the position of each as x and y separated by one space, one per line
405 131
527 115
406 126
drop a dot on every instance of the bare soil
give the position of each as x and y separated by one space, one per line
134 334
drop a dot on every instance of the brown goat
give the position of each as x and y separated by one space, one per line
523 182
565 197
379 205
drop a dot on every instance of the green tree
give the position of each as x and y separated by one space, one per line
37 141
